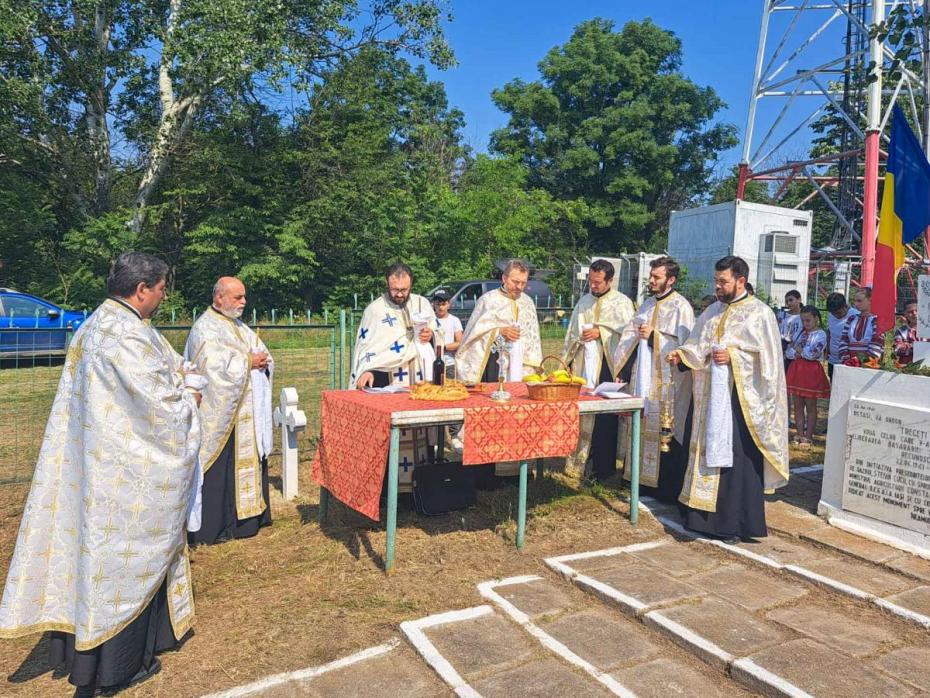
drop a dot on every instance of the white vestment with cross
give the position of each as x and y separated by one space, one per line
387 341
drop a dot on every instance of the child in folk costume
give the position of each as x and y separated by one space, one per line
807 381
861 335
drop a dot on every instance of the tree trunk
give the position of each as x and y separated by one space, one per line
176 118
96 104
174 125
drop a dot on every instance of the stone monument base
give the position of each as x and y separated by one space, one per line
876 478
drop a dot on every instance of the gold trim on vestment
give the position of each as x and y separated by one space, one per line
208 463
22 630
180 626
744 407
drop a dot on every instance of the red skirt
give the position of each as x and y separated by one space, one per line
807 378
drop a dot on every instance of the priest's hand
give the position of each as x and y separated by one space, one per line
260 360
511 333
645 330
590 335
366 380
674 358
721 356
197 397
426 334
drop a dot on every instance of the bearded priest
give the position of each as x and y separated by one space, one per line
393 344
662 324
739 446
590 345
236 416
505 311
101 557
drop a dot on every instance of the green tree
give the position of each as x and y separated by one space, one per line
80 74
613 122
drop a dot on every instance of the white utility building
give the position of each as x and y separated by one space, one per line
774 241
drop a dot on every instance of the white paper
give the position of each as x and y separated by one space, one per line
923 307
426 355
922 352
388 389
611 390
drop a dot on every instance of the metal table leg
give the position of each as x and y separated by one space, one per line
521 506
634 469
393 456
324 504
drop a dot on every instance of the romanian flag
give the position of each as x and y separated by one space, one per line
904 216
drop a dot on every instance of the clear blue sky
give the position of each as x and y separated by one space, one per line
495 42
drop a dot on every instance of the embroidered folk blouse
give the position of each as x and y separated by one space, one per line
811 345
861 336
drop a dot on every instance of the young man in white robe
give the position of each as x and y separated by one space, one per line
101 555
590 346
236 416
739 443
662 324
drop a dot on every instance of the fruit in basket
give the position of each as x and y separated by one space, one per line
533 378
579 380
559 376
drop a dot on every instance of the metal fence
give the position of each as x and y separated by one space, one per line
309 357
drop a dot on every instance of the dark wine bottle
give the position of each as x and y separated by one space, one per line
439 368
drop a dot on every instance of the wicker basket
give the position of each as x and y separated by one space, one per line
553 392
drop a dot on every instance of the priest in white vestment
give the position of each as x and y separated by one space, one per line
508 312
590 345
739 443
662 324
101 556
237 419
505 311
393 343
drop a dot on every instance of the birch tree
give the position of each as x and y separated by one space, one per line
241 45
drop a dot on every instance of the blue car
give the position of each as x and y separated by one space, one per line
32 326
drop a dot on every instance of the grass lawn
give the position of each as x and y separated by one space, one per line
299 594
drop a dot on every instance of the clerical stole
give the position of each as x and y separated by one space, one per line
494 311
221 348
609 313
672 319
386 340
749 330
104 524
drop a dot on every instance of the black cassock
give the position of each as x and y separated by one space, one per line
218 516
674 463
740 497
672 467
603 453
120 659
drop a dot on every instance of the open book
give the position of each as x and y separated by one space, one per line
610 390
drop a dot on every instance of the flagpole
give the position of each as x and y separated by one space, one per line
870 198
